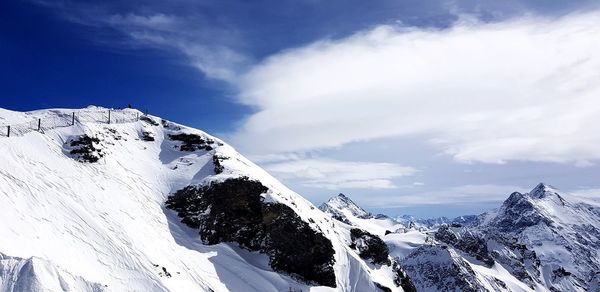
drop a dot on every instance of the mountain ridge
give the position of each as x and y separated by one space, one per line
540 240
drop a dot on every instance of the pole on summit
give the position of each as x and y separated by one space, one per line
73 121
39 124
109 116
8 131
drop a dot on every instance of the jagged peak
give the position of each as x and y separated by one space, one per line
342 202
543 190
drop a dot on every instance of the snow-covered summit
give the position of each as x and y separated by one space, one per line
342 204
543 190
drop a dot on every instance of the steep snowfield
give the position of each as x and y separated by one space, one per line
106 223
402 244
33 274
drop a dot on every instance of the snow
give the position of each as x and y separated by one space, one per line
106 223
34 274
402 244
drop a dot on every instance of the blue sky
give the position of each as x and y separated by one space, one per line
421 107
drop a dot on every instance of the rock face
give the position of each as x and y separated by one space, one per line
85 148
234 211
472 244
192 142
370 246
437 268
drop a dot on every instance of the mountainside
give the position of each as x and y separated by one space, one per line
538 241
151 205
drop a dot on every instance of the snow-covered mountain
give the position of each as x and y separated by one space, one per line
538 241
345 210
151 205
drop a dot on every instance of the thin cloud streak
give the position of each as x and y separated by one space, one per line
336 174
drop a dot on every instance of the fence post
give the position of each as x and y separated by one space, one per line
137 116
73 121
39 124
8 132
109 116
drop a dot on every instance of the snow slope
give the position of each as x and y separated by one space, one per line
105 222
34 274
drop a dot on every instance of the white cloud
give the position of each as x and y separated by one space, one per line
336 175
524 89
590 196
459 195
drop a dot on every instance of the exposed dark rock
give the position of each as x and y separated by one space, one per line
387 232
370 246
147 136
233 211
561 272
85 148
401 279
192 142
148 120
519 213
468 242
382 288
445 273
217 159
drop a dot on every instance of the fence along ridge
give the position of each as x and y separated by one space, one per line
61 120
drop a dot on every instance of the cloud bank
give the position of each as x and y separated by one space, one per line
521 89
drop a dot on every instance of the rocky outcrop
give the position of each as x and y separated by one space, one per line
147 136
217 163
149 120
466 241
439 268
192 142
370 246
85 148
234 211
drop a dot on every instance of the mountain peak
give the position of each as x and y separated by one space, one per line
543 190
341 204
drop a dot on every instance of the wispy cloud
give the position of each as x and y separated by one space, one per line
206 46
521 89
337 175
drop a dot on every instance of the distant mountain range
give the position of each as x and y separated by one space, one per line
537 241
